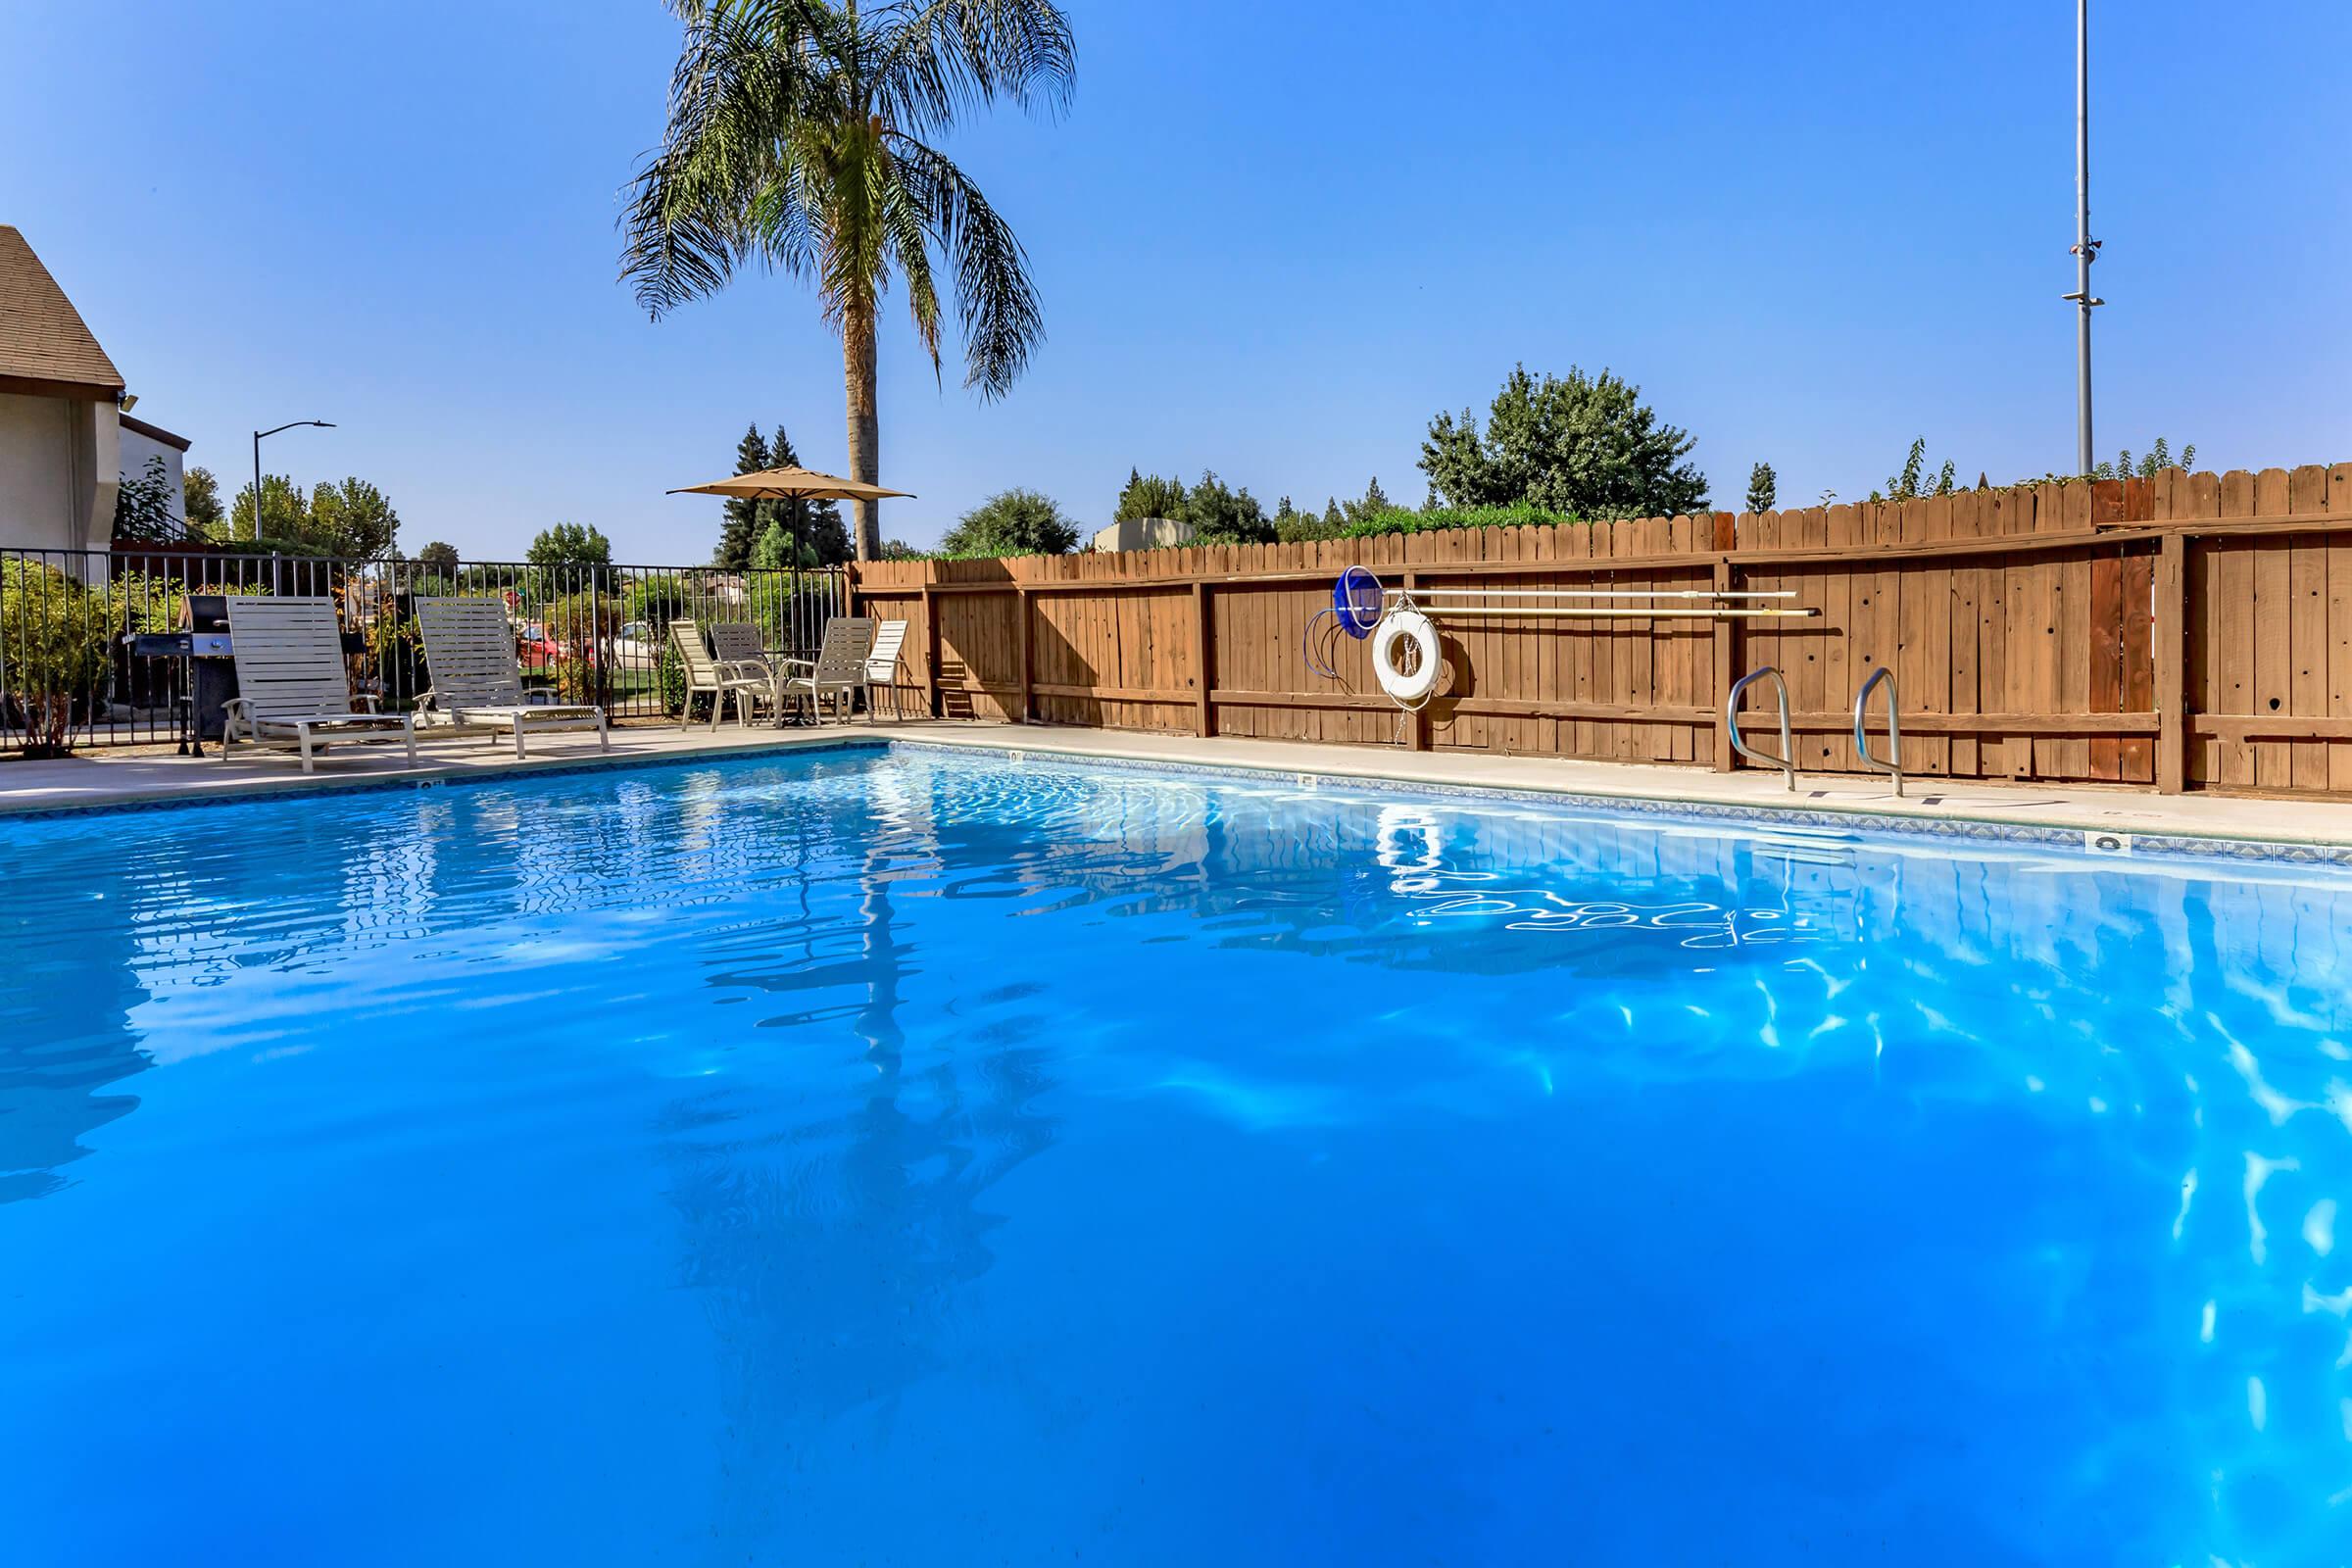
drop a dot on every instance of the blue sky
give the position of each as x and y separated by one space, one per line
1272 239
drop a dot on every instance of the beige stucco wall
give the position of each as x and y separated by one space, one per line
60 467
1144 533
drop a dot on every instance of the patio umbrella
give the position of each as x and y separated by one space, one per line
785 484
781 484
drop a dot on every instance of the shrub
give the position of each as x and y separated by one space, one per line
582 627
53 653
656 600
1398 521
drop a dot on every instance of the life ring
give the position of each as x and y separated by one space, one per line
1406 625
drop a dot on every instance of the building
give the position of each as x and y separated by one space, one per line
142 442
61 425
1145 534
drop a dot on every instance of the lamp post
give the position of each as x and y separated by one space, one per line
2086 249
257 462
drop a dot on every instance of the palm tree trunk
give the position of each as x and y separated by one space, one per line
865 433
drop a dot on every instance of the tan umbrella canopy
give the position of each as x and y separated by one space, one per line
778 484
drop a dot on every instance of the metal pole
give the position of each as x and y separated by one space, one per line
2086 248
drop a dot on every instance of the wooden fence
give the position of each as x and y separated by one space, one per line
2193 630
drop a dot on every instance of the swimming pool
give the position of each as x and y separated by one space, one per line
891 1156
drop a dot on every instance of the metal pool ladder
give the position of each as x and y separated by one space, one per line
1893 763
1731 724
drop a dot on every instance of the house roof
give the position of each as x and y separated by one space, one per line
156 433
45 347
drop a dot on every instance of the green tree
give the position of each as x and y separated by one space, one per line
285 510
1911 482
440 558
570 543
2160 458
1763 487
817 524
143 506
1220 515
1293 526
353 520
1587 447
1148 496
200 503
739 527
1375 501
1333 517
800 137
1012 522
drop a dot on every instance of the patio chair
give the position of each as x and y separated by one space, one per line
739 643
293 693
839 667
882 667
478 683
748 684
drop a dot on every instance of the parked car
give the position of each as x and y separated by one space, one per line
637 646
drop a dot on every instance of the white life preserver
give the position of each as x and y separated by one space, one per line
1406 625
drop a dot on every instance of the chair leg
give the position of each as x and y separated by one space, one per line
304 734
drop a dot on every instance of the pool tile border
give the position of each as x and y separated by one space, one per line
1804 818
1812 818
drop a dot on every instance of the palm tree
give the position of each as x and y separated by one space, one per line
800 139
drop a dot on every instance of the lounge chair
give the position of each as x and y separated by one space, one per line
839 667
882 667
293 693
748 684
478 683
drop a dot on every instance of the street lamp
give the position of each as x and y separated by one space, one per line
257 462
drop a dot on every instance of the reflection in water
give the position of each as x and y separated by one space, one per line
827 1258
863 1018
65 1022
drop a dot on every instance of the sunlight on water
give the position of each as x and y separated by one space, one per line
935 1158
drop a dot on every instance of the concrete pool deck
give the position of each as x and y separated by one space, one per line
152 775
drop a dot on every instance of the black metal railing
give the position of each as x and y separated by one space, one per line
70 620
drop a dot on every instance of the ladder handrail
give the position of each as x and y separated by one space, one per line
1894 763
1731 724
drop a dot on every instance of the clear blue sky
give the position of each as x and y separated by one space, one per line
1271 238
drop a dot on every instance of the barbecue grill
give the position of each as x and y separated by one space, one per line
211 677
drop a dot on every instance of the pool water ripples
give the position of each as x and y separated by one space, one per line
923 1159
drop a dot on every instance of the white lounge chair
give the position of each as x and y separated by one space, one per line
748 684
882 667
293 693
839 667
478 683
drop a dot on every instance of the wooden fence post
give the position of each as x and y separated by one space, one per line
931 648
1205 719
1020 644
2171 620
1727 634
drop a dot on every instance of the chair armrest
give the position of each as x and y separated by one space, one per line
366 703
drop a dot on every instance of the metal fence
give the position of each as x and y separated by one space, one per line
70 620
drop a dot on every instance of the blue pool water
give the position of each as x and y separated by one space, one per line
897 1157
